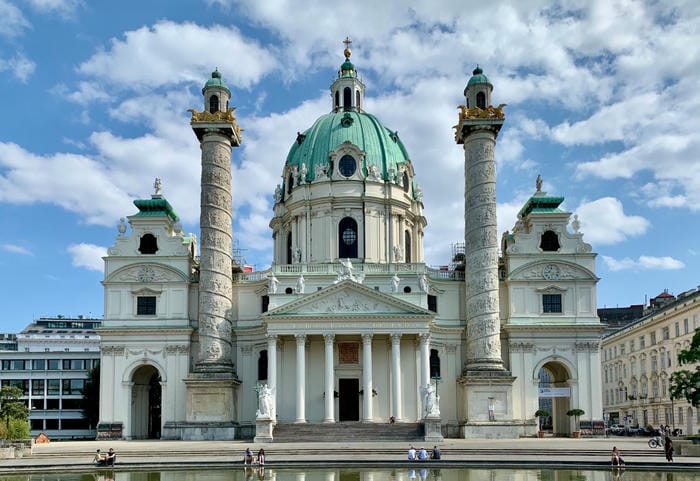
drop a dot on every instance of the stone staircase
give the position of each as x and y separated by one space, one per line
347 432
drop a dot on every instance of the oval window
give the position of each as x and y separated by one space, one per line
347 166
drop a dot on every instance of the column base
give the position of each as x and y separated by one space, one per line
263 430
488 405
200 431
211 398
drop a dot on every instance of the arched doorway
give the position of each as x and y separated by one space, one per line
555 397
146 403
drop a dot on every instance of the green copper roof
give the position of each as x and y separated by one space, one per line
478 77
541 205
383 147
155 207
216 81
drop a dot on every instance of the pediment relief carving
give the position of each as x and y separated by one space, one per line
551 271
348 297
147 273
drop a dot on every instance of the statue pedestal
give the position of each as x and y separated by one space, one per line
263 430
433 429
488 405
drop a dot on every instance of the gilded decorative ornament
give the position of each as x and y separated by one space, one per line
489 112
218 116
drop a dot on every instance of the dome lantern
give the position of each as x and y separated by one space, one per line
347 91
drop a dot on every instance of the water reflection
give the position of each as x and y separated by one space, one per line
240 473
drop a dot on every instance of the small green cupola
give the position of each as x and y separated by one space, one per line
156 206
478 90
347 91
216 93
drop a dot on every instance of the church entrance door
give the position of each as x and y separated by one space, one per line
348 399
146 403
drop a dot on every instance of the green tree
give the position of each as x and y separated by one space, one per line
12 407
685 384
90 403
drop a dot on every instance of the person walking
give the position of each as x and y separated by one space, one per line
668 449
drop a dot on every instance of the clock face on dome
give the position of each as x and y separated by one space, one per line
550 272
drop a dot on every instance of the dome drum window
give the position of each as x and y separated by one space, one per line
347 165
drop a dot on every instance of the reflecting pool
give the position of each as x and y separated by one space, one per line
239 473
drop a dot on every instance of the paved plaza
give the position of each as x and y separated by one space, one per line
548 452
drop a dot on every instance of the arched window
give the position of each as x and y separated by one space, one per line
347 237
347 98
290 183
148 244
406 184
407 245
337 99
214 103
289 247
357 99
262 365
481 100
434 364
549 241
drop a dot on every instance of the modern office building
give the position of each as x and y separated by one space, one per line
50 363
638 361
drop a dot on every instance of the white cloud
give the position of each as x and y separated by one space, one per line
88 256
12 21
643 263
67 8
169 53
16 249
19 66
603 221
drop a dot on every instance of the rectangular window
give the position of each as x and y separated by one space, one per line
652 338
54 364
37 387
38 404
146 306
654 364
52 405
432 303
685 326
622 349
73 364
72 386
665 333
14 364
678 329
37 424
74 424
71 404
632 345
668 359
51 424
642 342
53 387
39 364
22 384
551 303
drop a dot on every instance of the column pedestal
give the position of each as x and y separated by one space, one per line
489 406
211 401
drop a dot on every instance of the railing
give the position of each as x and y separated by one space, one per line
405 269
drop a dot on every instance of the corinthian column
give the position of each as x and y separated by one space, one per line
301 378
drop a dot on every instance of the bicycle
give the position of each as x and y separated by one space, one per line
655 442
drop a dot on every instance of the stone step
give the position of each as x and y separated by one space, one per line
347 431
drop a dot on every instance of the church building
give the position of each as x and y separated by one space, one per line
348 325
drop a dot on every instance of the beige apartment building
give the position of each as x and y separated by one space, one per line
639 359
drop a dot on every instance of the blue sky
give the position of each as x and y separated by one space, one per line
602 97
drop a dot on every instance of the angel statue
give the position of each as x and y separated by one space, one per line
431 401
265 394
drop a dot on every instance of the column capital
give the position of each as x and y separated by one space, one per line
367 338
424 337
396 338
301 338
329 338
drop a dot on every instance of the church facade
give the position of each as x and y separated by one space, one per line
348 324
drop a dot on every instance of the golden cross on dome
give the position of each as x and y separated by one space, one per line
347 50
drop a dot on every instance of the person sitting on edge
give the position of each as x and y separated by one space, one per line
99 458
422 455
411 454
248 456
261 456
435 454
617 459
111 457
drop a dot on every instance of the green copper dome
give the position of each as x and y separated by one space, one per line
383 147
478 77
156 206
216 81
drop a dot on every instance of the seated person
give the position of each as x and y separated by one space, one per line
261 456
411 454
99 459
422 455
617 459
248 456
111 457
435 454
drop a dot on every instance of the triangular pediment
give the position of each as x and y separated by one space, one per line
348 298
